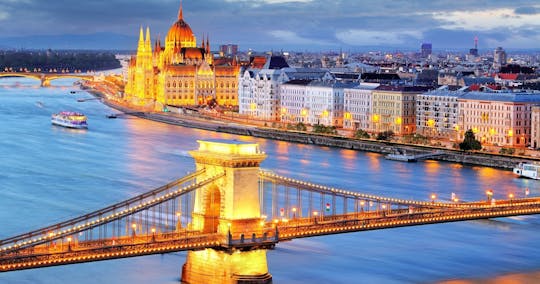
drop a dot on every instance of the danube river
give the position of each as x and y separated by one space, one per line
50 173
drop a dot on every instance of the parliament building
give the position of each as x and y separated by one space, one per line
180 73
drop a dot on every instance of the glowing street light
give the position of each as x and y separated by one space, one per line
293 212
433 197
489 194
69 243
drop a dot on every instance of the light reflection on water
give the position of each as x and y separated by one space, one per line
49 173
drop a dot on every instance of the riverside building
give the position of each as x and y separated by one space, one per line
500 118
358 107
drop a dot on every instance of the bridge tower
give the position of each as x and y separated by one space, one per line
230 207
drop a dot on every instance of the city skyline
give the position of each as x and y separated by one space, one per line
277 24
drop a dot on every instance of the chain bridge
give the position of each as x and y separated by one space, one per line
227 214
45 78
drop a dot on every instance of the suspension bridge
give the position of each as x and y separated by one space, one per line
229 211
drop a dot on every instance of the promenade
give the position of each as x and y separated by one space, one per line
238 126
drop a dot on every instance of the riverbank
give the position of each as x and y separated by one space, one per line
195 120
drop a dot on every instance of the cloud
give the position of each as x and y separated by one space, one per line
292 38
527 10
4 15
265 23
487 19
369 37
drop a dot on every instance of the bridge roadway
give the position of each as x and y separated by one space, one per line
58 253
45 78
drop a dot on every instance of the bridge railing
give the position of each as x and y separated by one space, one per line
124 211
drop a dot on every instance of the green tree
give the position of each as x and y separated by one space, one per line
385 135
319 128
470 142
360 133
301 127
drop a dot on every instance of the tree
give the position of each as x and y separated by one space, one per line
470 142
361 134
385 135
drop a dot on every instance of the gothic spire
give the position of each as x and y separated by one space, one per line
207 43
180 12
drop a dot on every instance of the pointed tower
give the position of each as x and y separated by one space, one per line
202 44
180 12
141 41
209 56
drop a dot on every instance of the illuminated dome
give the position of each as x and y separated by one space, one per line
180 34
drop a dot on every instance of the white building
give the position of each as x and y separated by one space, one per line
294 101
259 92
357 106
437 113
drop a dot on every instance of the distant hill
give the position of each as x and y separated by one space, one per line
101 41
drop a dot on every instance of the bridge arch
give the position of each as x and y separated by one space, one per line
213 199
38 77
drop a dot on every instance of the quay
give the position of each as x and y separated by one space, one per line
198 121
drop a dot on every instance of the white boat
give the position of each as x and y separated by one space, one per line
401 157
528 170
69 119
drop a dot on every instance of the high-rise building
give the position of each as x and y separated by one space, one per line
426 49
180 73
499 57
474 51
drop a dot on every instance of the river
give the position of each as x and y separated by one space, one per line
49 173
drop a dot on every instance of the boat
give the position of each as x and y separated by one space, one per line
528 170
112 115
401 157
72 92
69 119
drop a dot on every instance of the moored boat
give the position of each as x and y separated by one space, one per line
528 170
69 119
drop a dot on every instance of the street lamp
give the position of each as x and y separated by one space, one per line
153 230
315 213
511 196
433 197
178 221
362 202
293 213
134 227
69 243
489 194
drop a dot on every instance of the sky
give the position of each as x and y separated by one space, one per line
285 24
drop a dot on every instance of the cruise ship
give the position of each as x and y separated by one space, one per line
69 119
528 170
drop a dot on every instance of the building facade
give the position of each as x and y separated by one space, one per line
394 109
259 88
535 127
498 118
358 106
437 113
294 101
180 73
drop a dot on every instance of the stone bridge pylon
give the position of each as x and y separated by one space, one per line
230 206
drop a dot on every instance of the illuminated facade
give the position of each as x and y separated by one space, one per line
179 73
358 107
230 207
437 113
313 102
535 127
394 109
498 118
259 88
